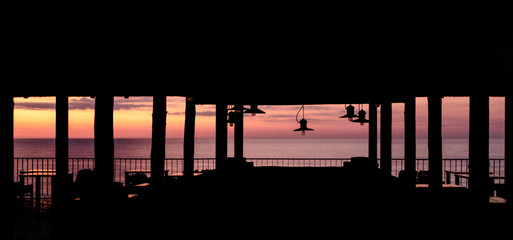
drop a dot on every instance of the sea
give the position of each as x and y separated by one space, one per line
253 148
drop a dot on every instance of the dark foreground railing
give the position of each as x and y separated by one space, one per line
22 166
175 165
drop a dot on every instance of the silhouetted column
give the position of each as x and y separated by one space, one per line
238 136
435 142
61 150
373 132
188 145
386 138
508 154
478 148
221 135
410 141
158 139
7 198
104 138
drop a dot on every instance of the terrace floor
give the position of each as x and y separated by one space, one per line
261 203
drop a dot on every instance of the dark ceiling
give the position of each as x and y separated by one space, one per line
251 52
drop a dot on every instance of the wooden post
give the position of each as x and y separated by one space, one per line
410 142
386 138
238 136
221 135
373 132
188 144
158 139
104 138
479 149
435 143
61 150
7 198
508 154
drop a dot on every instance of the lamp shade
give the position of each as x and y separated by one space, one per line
350 113
361 118
254 110
303 127
231 118
238 108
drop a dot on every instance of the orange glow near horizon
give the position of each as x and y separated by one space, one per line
34 123
35 118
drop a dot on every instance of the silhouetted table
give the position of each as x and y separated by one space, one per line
466 175
37 175
448 175
178 175
453 186
456 178
129 172
166 173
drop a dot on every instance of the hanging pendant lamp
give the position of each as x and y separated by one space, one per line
302 123
361 117
302 127
238 108
231 118
349 113
254 110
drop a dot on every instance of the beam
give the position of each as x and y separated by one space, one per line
221 135
188 144
373 132
386 138
410 142
479 149
238 136
158 139
7 198
104 138
61 149
435 143
508 154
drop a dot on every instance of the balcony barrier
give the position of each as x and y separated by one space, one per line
175 165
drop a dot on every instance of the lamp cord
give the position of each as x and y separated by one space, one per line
301 108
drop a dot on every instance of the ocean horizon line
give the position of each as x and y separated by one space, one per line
213 138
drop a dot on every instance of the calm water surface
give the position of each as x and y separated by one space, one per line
253 148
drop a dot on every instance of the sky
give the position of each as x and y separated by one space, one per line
34 117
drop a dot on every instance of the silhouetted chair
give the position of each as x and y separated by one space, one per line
501 190
22 190
407 180
85 181
137 183
423 177
402 176
135 179
87 187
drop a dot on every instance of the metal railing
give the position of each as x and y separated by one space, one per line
298 162
175 165
121 165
